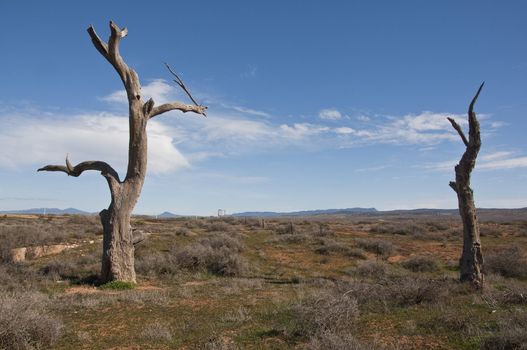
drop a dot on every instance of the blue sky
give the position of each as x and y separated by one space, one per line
312 104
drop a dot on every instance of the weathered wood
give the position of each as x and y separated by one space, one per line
118 240
471 261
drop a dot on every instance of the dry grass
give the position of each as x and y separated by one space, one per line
509 262
24 323
232 284
421 263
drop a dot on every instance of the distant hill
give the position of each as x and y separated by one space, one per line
167 215
51 211
485 214
347 211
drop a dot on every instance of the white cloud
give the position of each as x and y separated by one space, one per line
496 125
159 89
426 128
36 141
344 130
495 155
330 114
250 111
492 161
301 130
250 71
510 163
373 168
221 128
363 118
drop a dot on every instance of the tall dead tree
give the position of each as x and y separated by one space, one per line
471 261
118 248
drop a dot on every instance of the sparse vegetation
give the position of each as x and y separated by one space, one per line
24 323
381 248
249 287
509 262
421 263
118 285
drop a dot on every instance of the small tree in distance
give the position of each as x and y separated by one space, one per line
471 261
118 249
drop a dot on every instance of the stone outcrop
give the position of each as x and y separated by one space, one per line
30 253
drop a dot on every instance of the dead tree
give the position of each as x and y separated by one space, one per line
118 247
471 261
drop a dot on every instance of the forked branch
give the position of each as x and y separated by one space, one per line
180 83
473 124
456 126
106 170
110 51
472 144
197 108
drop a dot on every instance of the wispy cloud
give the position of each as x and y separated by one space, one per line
32 140
344 130
250 71
374 168
427 129
250 111
299 131
508 163
237 179
158 89
491 161
330 114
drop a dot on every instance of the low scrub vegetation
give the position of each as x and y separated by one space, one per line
24 323
379 247
421 263
509 262
233 283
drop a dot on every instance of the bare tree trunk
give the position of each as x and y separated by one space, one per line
471 261
118 248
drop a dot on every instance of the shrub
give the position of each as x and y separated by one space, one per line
60 269
219 226
18 277
286 228
508 263
335 341
379 247
156 263
223 240
182 231
511 335
371 269
356 253
328 311
219 255
421 263
489 230
83 220
414 291
24 324
292 238
331 246
157 332
328 319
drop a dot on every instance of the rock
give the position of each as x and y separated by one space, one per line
30 253
18 255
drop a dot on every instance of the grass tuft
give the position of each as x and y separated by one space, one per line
118 285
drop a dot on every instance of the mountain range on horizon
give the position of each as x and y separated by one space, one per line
273 214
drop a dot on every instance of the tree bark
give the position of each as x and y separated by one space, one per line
471 261
118 245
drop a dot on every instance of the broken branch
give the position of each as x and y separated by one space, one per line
181 84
